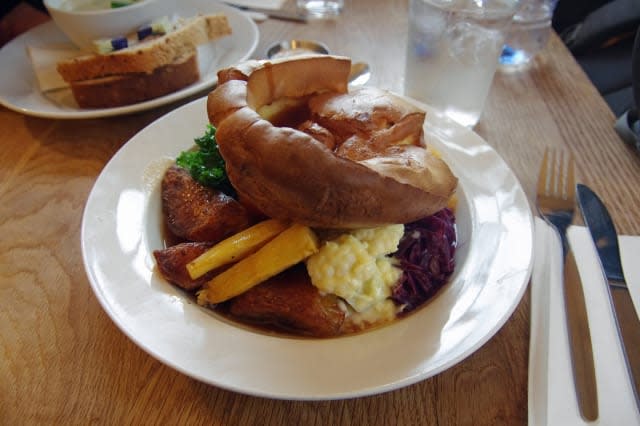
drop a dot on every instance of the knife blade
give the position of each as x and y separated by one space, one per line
605 238
273 13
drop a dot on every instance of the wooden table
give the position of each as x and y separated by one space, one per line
62 360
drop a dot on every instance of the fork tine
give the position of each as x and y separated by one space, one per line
564 185
571 179
555 178
543 175
560 167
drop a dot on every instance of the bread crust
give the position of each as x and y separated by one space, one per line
127 89
147 56
289 174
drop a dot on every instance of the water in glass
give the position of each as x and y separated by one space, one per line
321 8
528 35
452 53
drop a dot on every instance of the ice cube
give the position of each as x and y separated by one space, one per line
472 44
424 33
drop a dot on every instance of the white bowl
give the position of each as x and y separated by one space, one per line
83 27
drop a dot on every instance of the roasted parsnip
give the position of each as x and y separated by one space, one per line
236 247
293 245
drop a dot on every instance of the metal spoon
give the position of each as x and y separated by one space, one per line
360 74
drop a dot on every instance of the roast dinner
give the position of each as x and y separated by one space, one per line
308 208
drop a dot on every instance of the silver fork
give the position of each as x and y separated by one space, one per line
555 200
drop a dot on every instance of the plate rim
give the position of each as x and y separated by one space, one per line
408 379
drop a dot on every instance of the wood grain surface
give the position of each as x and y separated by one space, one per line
63 361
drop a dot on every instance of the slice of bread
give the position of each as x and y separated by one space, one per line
146 56
131 88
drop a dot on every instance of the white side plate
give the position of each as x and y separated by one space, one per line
19 89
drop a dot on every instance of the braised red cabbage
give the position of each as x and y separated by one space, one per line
426 253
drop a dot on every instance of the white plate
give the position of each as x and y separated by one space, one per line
19 88
122 226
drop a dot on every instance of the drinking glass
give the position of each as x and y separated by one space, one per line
528 34
452 53
321 8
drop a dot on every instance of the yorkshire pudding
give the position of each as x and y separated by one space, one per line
299 146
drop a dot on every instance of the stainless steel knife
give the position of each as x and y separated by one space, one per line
284 15
603 233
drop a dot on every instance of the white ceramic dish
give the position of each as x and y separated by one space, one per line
122 226
19 89
82 27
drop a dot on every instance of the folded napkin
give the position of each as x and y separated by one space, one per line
44 60
552 399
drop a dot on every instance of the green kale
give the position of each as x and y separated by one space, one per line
205 164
